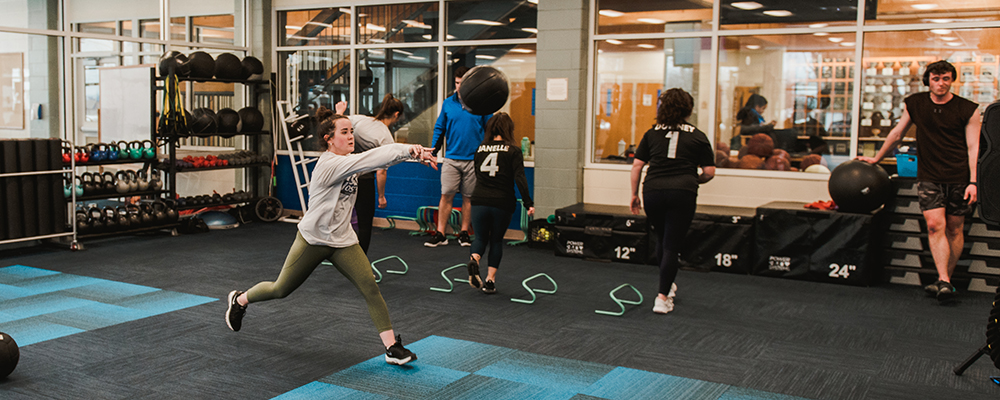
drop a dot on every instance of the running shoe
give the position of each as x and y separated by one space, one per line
437 240
234 314
474 279
489 287
397 354
464 240
663 306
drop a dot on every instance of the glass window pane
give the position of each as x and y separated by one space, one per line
517 62
106 28
149 28
43 15
885 12
178 28
410 74
494 19
894 65
763 15
807 83
398 23
30 73
319 27
214 29
631 74
629 16
310 79
88 14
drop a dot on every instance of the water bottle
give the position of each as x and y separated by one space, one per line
621 147
525 146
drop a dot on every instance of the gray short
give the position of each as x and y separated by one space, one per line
458 174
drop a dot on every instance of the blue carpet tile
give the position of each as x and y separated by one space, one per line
458 369
38 305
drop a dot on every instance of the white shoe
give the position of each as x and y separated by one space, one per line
663 306
673 291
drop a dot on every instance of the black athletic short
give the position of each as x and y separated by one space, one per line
947 195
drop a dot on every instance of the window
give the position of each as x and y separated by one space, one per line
887 12
629 16
319 27
313 79
517 62
787 14
398 23
410 74
494 19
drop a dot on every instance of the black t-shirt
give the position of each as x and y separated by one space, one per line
942 150
499 167
674 154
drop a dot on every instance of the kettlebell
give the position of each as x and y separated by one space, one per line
172 214
122 185
67 153
110 219
110 152
87 181
148 149
82 155
121 217
160 212
135 150
133 216
133 183
82 222
96 219
155 182
67 187
142 179
147 214
122 148
109 182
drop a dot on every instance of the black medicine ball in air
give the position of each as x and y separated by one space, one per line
859 187
227 66
203 122
251 120
9 355
174 62
484 90
229 122
251 68
202 65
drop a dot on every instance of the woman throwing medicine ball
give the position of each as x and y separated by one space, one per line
674 150
325 230
499 165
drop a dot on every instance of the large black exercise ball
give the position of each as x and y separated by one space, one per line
202 65
251 120
251 68
9 354
229 122
484 90
859 187
227 66
174 62
203 122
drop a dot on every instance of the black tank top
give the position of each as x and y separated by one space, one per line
942 150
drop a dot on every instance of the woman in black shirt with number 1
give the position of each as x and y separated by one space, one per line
674 150
499 166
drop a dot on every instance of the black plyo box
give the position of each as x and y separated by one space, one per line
601 232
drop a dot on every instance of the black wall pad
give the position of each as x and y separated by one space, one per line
43 216
989 162
29 185
12 189
59 218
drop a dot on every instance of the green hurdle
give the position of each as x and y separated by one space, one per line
451 285
532 291
406 268
525 219
621 303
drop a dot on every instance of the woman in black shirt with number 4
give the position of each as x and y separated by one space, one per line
499 166
674 150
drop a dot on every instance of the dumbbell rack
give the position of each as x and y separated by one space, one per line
171 170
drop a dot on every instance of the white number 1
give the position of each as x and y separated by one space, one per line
490 164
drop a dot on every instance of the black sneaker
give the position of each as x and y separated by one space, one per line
946 292
464 240
489 287
437 240
474 279
932 289
234 314
397 354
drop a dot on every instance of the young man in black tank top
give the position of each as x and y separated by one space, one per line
947 152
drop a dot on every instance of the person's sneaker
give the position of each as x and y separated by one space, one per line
489 287
932 289
946 292
464 240
397 354
663 306
475 280
673 290
437 240
234 314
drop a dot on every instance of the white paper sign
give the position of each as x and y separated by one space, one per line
647 100
557 89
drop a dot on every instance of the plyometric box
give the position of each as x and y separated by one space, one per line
826 246
602 232
720 239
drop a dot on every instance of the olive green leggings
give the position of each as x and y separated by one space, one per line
303 258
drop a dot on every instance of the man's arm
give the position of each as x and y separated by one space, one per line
439 128
972 131
893 139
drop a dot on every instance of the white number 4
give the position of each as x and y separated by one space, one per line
490 164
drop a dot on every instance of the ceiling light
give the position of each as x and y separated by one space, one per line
753 46
308 38
533 1
416 57
953 44
518 60
778 13
449 37
924 6
611 13
523 51
376 40
374 51
416 24
836 39
647 46
948 38
530 30
747 5
480 22
427 37
406 53
613 41
820 25
373 27
293 27
485 57
319 24
653 21
344 10
821 34
847 44
939 21
941 31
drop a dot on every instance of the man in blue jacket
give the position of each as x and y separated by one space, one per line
463 132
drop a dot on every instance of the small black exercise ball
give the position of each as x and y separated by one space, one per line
859 187
229 122
9 354
227 66
251 68
484 90
251 120
174 62
202 65
203 122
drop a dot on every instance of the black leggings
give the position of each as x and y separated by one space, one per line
489 224
669 212
364 205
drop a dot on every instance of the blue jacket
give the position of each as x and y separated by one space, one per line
462 130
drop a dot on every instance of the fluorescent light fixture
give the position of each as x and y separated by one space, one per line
485 57
747 5
753 46
821 34
924 6
836 39
939 21
941 31
319 24
847 44
778 13
611 13
522 51
530 30
613 41
416 57
301 37
427 37
416 24
374 51
373 27
480 22
376 40
449 37
517 60
403 52
948 38
344 10
653 21
647 46
820 25
293 27
533 1
953 44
